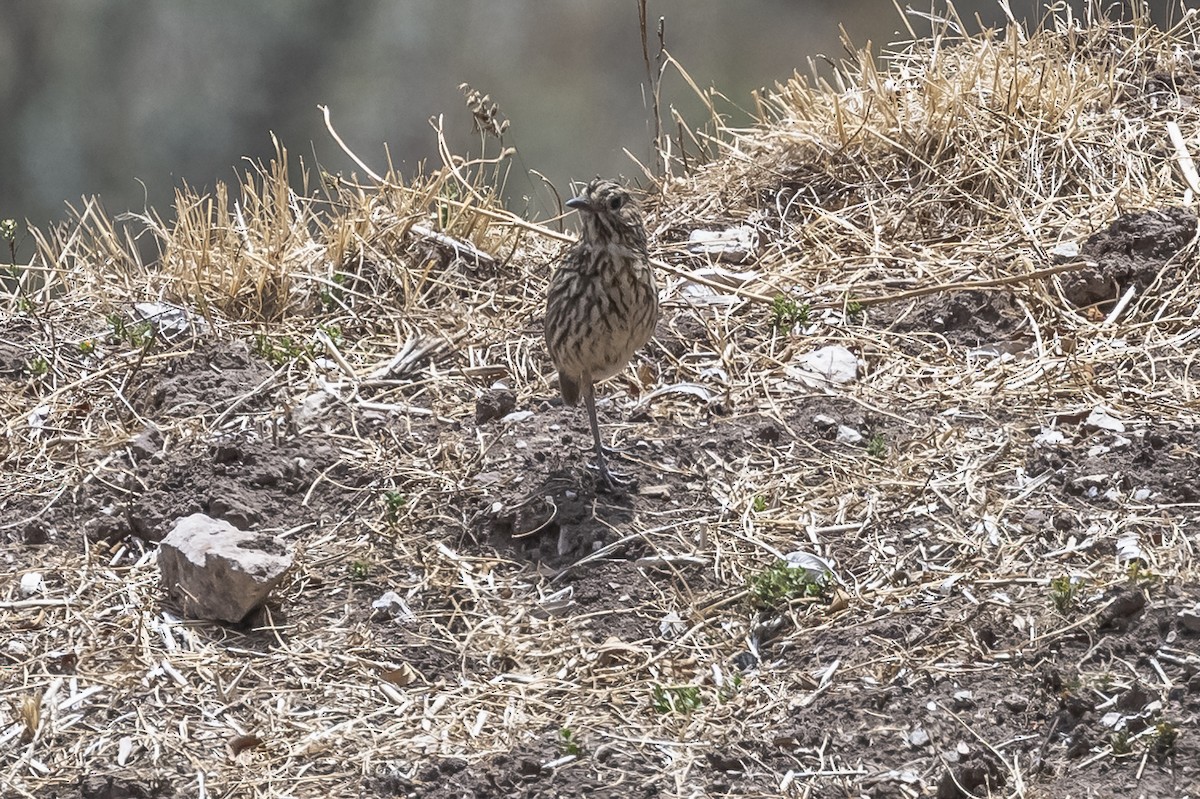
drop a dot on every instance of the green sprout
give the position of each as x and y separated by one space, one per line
730 689
393 503
781 582
877 447
1064 592
786 313
334 296
1166 736
279 350
683 699
1121 742
137 335
1140 574
759 504
570 744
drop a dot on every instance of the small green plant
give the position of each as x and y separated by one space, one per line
1121 742
136 335
786 313
683 699
570 744
730 689
358 569
1166 735
393 504
333 296
1064 592
759 504
116 325
877 447
38 367
781 582
279 350
333 331
1140 574
87 347
854 311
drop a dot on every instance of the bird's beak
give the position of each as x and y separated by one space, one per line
578 203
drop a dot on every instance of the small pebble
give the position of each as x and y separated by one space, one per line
31 583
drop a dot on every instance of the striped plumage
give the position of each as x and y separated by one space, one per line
602 305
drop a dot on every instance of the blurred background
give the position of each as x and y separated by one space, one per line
126 99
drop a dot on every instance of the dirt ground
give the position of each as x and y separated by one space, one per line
924 679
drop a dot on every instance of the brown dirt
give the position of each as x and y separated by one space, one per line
887 724
1136 250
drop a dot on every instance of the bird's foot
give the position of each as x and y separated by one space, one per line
604 451
607 478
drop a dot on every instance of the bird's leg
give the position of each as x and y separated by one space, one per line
612 479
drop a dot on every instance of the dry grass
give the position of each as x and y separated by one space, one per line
951 161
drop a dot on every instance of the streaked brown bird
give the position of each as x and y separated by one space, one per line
602 305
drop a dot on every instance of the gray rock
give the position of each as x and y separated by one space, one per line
216 571
1190 619
824 422
848 435
146 444
232 509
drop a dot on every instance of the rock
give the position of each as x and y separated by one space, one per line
36 532
146 444
848 435
732 245
171 322
1101 419
495 403
825 367
31 583
233 510
1189 620
216 571
1120 612
1064 252
391 605
824 422
308 413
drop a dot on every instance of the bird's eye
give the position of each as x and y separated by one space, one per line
615 202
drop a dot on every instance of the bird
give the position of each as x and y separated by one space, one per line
602 302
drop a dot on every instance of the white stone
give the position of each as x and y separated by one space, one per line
826 367
1064 251
1101 419
31 583
733 245
216 571
848 435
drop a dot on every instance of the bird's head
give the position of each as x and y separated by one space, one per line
609 212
